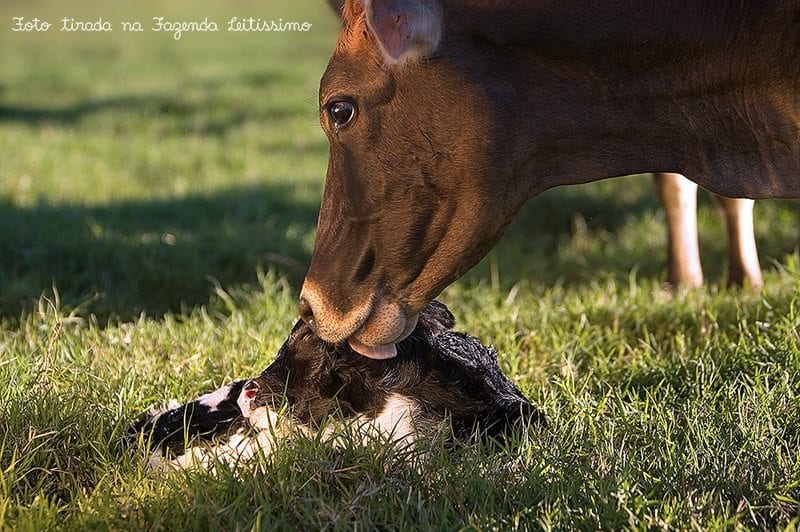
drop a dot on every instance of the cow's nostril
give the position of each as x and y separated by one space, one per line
306 313
365 266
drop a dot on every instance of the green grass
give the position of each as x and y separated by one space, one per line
157 211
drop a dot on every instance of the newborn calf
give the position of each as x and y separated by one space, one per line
438 377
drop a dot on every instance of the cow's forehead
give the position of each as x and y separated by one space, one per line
340 72
355 74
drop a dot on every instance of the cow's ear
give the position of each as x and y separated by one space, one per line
406 30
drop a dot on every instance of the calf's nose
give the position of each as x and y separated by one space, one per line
250 389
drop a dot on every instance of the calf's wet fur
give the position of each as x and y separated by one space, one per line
439 377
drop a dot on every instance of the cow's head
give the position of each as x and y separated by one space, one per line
413 196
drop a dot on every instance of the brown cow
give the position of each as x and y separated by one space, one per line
678 197
444 117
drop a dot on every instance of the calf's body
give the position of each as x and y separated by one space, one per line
440 380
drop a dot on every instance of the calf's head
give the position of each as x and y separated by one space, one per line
439 375
413 196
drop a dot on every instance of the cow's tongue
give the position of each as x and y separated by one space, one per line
378 353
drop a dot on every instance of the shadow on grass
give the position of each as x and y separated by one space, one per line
573 235
576 235
150 256
156 256
199 106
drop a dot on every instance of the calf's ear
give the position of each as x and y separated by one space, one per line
436 318
405 30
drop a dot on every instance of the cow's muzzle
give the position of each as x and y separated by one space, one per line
371 329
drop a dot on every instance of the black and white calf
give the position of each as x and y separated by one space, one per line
439 379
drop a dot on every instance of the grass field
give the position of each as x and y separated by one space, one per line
157 209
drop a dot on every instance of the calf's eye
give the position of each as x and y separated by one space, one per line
341 113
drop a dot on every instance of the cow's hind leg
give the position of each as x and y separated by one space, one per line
678 197
743 265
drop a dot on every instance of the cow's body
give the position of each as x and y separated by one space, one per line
464 110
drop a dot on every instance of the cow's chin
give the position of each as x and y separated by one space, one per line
385 327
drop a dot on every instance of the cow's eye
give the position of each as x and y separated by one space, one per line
341 112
